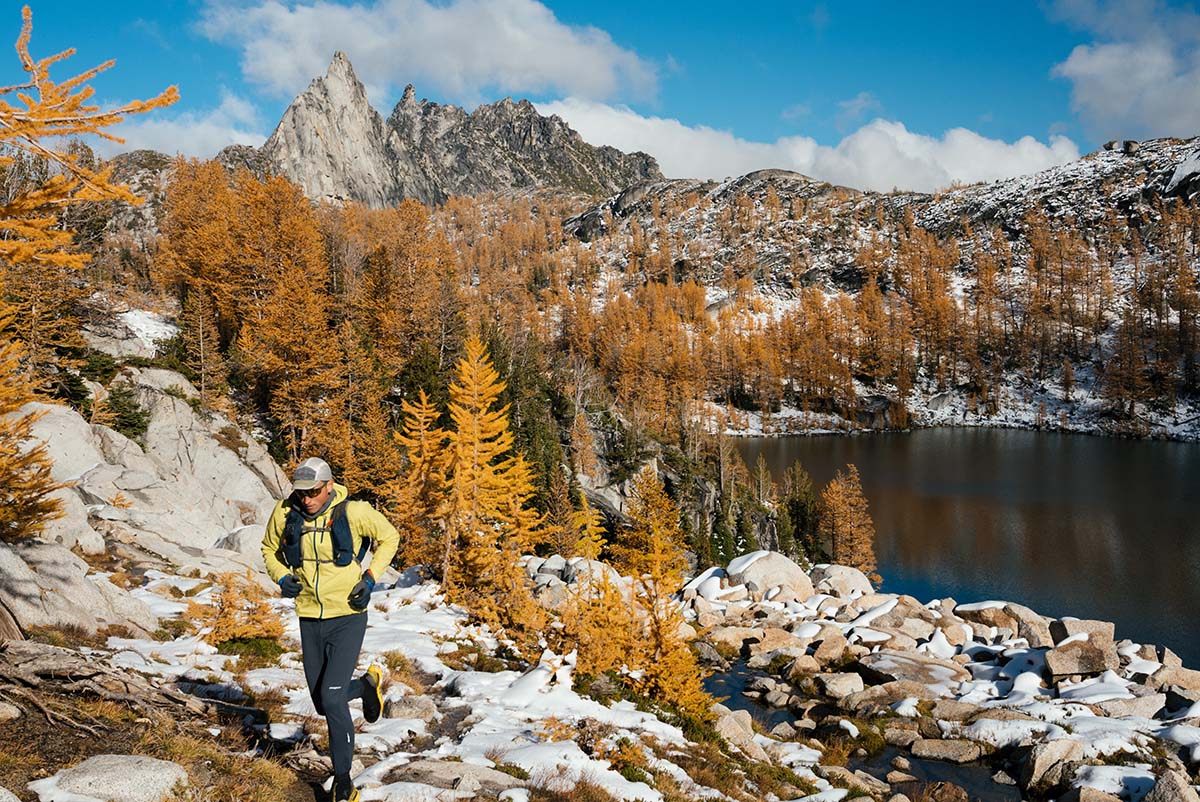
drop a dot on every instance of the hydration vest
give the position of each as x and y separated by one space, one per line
290 552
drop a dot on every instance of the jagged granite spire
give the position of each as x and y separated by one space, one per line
336 146
332 143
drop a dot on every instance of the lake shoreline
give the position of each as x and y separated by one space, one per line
1090 526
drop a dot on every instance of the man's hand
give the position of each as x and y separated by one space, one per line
289 585
361 595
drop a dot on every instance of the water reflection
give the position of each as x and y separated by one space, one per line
1066 524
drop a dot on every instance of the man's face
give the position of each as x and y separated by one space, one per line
313 500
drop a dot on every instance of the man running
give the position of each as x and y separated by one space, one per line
313 547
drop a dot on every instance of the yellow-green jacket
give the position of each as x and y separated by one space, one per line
325 587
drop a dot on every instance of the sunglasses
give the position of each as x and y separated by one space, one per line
311 492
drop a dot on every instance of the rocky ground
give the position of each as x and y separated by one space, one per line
106 693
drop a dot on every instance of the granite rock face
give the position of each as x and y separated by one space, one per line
337 147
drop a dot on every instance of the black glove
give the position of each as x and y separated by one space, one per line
360 596
289 585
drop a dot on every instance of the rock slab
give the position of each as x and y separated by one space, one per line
116 778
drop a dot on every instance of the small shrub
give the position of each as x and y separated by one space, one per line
172 629
98 366
778 663
470 656
238 612
837 751
127 414
252 652
553 729
627 758
513 770
230 437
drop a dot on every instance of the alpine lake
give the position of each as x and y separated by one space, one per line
1078 525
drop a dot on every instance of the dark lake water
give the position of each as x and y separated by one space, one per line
1066 524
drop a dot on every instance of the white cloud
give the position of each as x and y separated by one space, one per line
1143 78
855 109
878 156
200 134
461 47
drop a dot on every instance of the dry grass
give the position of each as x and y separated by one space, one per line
709 767
124 580
400 669
103 709
733 775
21 755
837 751
70 636
217 774
547 786
270 700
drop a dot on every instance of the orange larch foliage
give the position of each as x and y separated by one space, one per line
487 515
652 552
238 610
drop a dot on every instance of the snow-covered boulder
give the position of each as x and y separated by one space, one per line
886 665
762 570
581 570
1096 631
1082 657
553 565
841 581
114 778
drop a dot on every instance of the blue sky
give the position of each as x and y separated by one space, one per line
871 94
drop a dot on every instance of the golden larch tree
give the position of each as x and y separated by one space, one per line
652 551
286 342
36 245
487 515
846 522
419 494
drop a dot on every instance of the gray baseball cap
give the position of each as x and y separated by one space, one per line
311 473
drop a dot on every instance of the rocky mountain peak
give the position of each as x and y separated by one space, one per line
336 146
331 142
340 69
408 99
